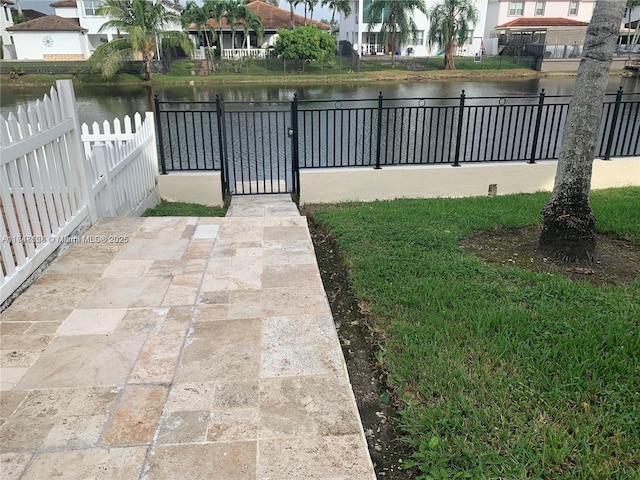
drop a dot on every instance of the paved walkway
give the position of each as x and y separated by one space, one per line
195 348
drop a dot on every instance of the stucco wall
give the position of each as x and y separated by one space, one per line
367 184
30 46
204 188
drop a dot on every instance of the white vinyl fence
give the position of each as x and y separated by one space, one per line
55 181
121 166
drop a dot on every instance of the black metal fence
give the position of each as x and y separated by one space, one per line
259 146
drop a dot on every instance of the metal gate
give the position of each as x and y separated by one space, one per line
252 144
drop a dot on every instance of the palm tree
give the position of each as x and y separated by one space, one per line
253 22
292 5
145 23
569 228
311 4
214 9
397 21
196 15
236 14
337 6
449 26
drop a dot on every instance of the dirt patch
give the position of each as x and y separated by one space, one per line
616 261
360 346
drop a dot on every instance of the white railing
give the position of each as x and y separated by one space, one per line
238 53
50 186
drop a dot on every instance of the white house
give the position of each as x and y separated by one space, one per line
545 28
500 12
354 28
6 20
50 38
84 12
72 33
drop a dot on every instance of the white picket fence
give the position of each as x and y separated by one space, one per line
121 165
55 180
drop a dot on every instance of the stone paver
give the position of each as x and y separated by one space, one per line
199 348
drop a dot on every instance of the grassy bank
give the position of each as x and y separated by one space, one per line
499 372
277 71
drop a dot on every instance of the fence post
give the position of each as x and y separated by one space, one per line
67 98
536 129
379 132
616 111
456 160
163 166
100 164
294 145
223 162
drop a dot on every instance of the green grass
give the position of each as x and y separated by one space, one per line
181 209
273 70
501 372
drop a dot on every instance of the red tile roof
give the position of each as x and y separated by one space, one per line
48 23
542 22
64 3
273 18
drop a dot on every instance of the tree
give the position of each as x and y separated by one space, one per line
292 5
307 43
214 9
568 231
253 22
236 14
343 6
145 23
311 4
397 21
449 26
196 15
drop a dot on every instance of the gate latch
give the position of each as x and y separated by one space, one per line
289 132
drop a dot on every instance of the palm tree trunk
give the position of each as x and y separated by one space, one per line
449 50
147 68
568 231
393 50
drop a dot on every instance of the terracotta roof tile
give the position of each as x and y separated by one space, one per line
48 23
542 22
64 3
273 18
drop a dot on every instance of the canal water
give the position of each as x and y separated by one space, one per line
99 103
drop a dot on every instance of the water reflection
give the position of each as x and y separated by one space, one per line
99 103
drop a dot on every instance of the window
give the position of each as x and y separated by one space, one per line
516 9
573 8
419 38
539 8
91 6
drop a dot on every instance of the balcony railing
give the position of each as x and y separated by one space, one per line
238 53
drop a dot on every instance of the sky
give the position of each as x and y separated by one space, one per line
43 6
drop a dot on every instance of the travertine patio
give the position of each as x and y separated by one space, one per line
194 348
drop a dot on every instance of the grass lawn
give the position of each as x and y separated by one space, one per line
181 209
499 372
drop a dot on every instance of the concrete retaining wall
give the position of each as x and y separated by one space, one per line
204 188
572 64
424 181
